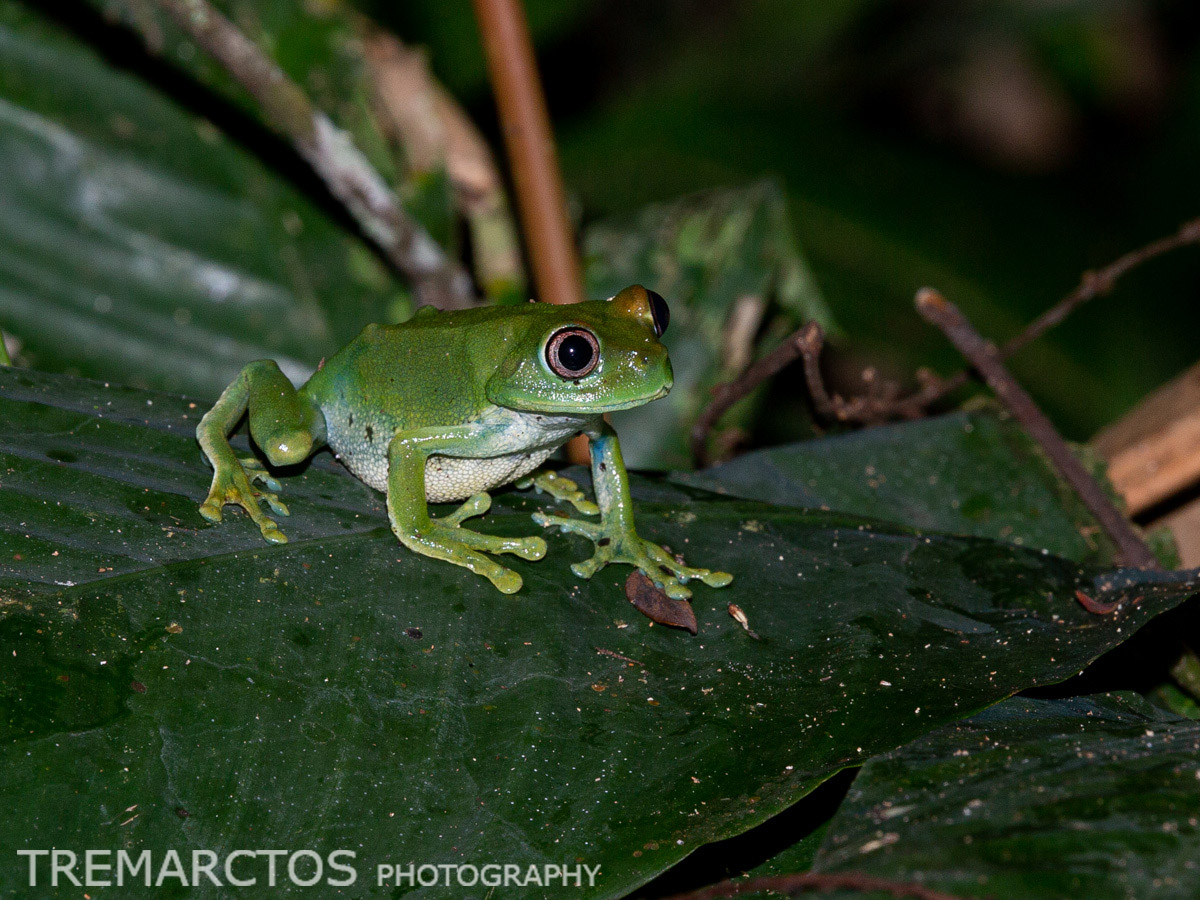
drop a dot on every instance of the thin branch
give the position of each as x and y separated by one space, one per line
525 122
806 343
985 358
1093 284
437 279
726 395
886 405
1098 283
870 409
816 883
434 134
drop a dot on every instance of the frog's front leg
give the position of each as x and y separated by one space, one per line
445 538
614 535
284 422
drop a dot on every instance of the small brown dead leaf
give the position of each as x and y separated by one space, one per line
657 606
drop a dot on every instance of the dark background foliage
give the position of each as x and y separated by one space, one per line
992 148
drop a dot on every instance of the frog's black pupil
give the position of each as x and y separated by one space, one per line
660 311
575 353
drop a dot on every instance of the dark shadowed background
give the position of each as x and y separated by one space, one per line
992 148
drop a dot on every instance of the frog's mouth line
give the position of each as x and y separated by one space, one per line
599 408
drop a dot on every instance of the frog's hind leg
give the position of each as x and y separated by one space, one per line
285 423
445 538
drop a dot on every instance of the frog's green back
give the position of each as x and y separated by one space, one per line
427 371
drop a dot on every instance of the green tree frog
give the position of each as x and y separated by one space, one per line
450 405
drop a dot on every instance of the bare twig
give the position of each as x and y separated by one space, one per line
435 134
816 883
878 408
530 143
806 343
868 409
985 358
1093 284
1100 282
436 278
726 395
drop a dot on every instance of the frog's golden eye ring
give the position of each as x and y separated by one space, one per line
572 353
660 311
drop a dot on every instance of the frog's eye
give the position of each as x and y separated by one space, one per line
660 311
572 352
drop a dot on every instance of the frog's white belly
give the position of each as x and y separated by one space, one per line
510 445
450 478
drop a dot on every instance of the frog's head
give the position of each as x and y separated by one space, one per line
593 357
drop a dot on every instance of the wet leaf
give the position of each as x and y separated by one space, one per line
344 691
1086 797
967 472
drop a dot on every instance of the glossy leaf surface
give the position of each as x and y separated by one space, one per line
1087 797
968 472
341 692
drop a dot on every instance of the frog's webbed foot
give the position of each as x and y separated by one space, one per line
615 545
234 484
547 481
256 471
445 538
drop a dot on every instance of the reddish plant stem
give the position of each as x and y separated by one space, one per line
529 141
817 883
985 358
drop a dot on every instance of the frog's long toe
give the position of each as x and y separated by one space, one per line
256 471
235 487
685 572
593 531
559 487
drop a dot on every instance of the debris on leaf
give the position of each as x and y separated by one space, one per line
740 617
615 655
1097 607
657 606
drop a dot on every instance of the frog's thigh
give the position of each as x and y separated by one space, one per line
284 422
409 514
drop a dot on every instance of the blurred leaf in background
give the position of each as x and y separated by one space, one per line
728 264
141 244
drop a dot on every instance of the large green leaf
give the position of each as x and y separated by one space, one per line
140 244
172 684
1089 797
971 472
